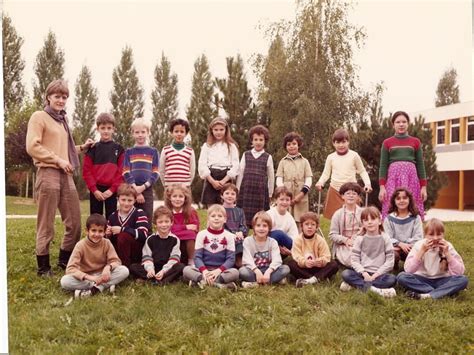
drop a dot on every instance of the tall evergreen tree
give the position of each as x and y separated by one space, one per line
236 100
201 110
447 92
13 66
126 97
49 66
164 101
85 102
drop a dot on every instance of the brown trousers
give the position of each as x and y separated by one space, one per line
56 190
333 202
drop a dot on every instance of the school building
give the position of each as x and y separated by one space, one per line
453 142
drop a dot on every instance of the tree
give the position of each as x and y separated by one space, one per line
126 97
164 101
236 100
85 103
49 66
13 66
308 78
447 92
201 110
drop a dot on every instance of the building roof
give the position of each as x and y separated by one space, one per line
462 109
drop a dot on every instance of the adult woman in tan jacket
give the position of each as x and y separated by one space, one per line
49 142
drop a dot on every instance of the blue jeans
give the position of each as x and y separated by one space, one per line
437 288
277 275
282 238
355 279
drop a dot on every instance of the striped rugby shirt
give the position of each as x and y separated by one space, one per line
177 166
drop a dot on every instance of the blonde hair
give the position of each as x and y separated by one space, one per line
227 137
372 212
264 217
216 208
140 122
434 226
187 209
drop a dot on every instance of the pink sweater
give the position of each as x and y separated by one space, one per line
179 226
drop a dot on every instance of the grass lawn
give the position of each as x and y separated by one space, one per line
26 206
276 319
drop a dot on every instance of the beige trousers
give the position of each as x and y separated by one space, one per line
56 190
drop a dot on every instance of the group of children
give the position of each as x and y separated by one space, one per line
286 238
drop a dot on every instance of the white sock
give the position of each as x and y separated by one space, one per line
312 280
425 295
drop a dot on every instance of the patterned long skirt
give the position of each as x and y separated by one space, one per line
403 174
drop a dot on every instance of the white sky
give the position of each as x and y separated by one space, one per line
409 43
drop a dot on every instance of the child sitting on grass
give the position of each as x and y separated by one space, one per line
311 256
433 268
345 224
161 252
127 227
261 257
214 256
94 265
372 258
235 222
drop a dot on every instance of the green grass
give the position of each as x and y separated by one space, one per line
26 206
276 319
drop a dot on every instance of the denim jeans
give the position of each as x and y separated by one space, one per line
276 276
437 288
282 238
356 279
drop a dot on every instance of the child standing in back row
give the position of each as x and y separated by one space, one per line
218 161
372 258
177 162
341 166
185 219
102 169
256 177
140 167
295 173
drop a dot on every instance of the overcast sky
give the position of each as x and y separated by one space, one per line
409 43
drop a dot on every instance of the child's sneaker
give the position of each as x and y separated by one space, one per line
412 294
303 282
231 286
201 283
112 289
82 294
384 292
283 281
246 284
345 287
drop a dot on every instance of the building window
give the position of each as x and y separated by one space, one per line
440 133
455 131
470 129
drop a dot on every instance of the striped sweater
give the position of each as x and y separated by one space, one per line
177 166
135 223
160 253
401 148
214 249
140 165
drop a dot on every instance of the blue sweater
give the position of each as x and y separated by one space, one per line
214 249
141 165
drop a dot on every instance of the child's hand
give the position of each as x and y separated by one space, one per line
309 263
212 276
140 198
367 277
285 250
368 189
424 193
107 194
382 193
88 144
239 235
105 277
115 229
259 276
266 276
405 247
348 243
191 227
93 278
150 273
299 196
160 275
98 195
319 263
108 231
319 186
443 246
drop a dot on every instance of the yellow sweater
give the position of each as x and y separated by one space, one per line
315 248
46 140
89 258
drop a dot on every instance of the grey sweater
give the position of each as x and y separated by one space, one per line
373 254
406 230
